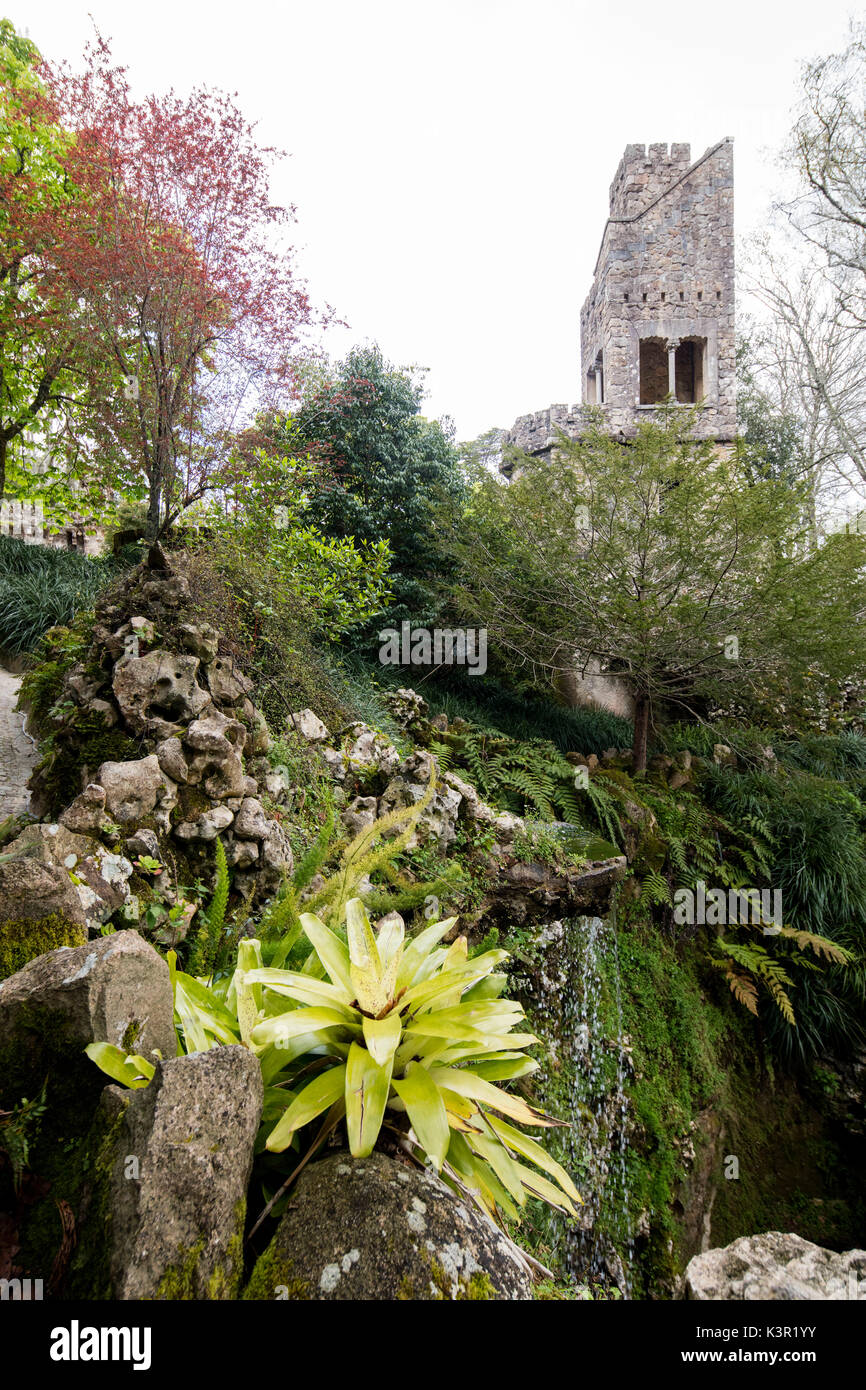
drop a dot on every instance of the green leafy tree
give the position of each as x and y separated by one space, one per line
37 312
263 524
664 561
380 467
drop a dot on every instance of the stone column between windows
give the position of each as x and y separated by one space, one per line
673 344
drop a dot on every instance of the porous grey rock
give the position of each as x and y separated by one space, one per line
775 1266
200 639
137 790
359 814
505 824
309 726
214 745
98 875
242 854
277 850
226 682
102 886
115 989
251 823
166 592
158 689
85 687
144 841
31 891
139 628
368 749
177 1229
370 1229
106 711
53 843
438 821
336 763
171 759
258 739
86 813
208 825
215 733
410 711
276 784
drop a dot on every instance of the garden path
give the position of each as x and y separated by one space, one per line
17 750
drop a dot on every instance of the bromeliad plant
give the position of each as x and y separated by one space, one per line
404 1034
413 1035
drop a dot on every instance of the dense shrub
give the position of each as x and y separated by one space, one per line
816 829
42 588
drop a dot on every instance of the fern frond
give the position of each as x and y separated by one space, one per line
204 953
655 890
770 971
742 988
315 856
821 945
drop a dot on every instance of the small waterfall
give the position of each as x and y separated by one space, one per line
577 1008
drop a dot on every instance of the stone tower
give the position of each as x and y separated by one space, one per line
659 317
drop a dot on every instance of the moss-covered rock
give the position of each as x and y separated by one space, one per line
376 1228
39 911
22 940
170 1199
709 1142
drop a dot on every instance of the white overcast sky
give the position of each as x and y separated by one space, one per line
450 159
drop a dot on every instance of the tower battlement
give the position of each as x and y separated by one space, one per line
645 173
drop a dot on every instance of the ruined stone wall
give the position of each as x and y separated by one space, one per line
665 271
536 433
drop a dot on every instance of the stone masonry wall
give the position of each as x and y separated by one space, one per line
665 270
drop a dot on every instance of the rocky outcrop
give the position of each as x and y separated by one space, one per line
115 990
372 777
775 1266
182 1152
376 1228
135 791
188 711
157 694
99 876
39 911
530 893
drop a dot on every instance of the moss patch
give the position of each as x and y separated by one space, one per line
274 1277
65 1156
24 940
75 752
185 1281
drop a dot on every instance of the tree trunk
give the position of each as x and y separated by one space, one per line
641 731
152 532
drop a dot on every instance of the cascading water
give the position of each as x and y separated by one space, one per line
577 1009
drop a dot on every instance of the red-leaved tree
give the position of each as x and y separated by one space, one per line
190 305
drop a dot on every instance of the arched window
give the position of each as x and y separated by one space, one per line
689 370
653 370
